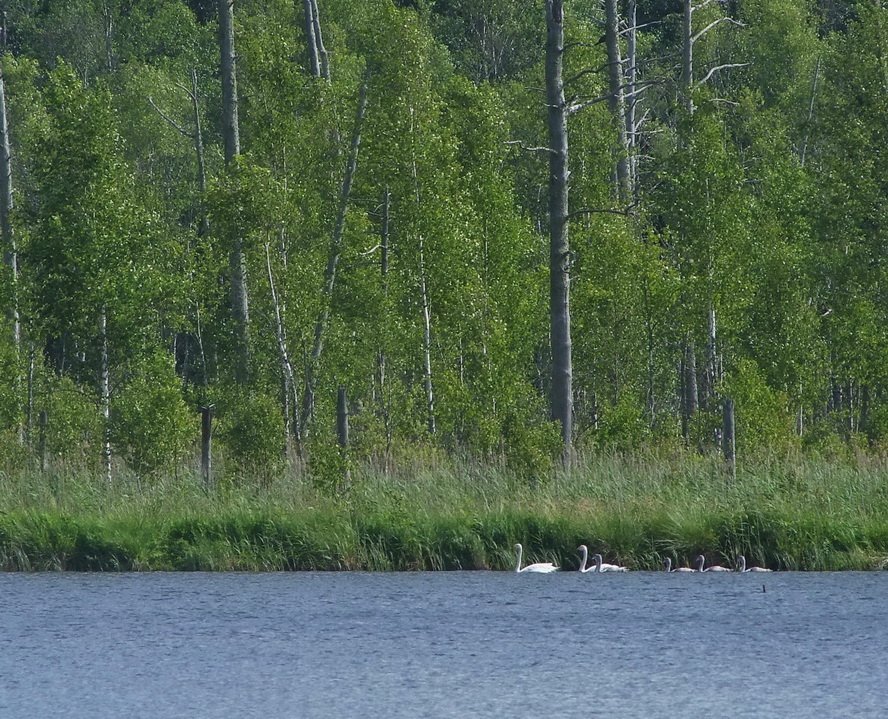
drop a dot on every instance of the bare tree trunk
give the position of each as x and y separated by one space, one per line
323 58
342 417
616 100
381 360
318 60
632 105
291 424
729 446
559 246
713 373
863 421
108 17
29 406
10 253
689 387
427 342
105 390
333 262
230 124
687 56
206 445
7 237
314 61
240 307
810 117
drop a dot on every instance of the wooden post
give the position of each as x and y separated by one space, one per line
728 444
42 440
206 439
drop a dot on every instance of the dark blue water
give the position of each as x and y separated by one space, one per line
460 644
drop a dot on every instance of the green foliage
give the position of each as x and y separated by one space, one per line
252 429
763 209
762 419
73 421
150 422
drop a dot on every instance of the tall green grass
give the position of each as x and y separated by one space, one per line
786 513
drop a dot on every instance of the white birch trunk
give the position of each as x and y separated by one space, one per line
105 392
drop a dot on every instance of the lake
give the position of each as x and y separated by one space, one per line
448 644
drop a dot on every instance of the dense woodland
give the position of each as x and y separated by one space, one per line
508 229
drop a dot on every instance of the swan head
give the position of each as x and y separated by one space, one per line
700 561
518 547
741 562
668 563
583 549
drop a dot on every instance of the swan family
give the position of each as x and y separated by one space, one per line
598 565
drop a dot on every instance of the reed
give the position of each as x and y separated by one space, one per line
786 513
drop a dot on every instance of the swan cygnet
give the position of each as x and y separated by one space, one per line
741 560
701 560
603 567
538 568
668 563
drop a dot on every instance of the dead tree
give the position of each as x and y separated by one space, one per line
240 306
561 399
616 100
318 60
7 237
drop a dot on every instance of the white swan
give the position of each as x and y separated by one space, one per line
668 563
584 550
540 567
701 560
602 567
741 560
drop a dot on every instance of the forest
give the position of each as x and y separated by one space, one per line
513 233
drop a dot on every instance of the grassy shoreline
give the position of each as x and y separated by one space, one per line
792 513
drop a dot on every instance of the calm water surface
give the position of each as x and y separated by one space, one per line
458 644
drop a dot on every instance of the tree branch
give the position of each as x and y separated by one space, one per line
521 144
638 27
170 120
641 87
715 69
697 35
583 73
